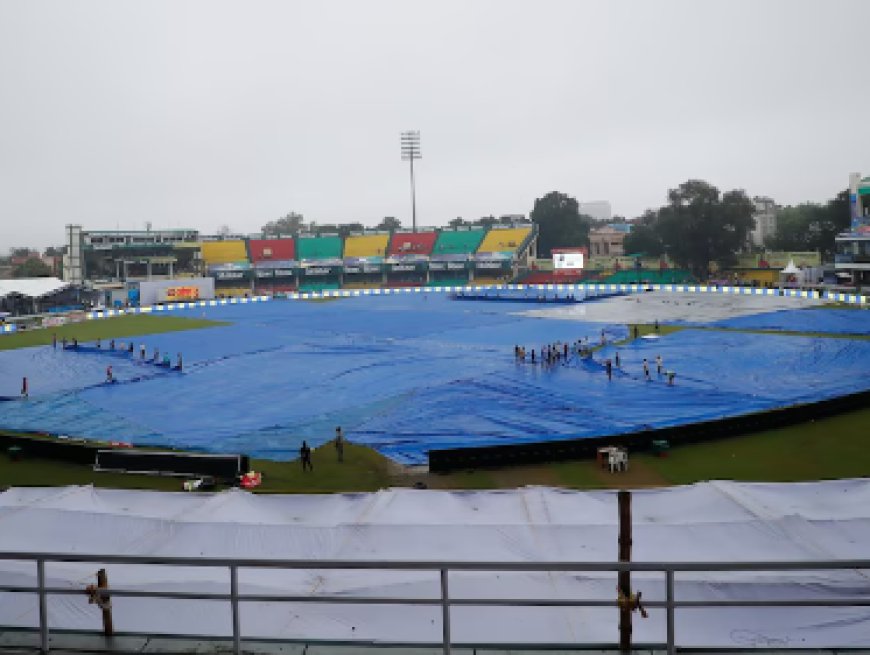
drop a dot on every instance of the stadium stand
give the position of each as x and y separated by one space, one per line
504 240
224 252
231 292
363 284
272 249
318 247
669 276
484 280
410 243
463 242
318 286
550 277
448 282
366 245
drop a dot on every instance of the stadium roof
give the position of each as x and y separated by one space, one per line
33 287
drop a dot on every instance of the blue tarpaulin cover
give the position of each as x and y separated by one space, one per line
826 321
405 374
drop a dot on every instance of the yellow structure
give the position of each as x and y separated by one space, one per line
366 245
232 292
504 240
224 252
755 276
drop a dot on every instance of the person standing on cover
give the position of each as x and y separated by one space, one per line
305 456
339 443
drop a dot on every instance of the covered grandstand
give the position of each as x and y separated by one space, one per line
275 265
441 257
230 265
321 262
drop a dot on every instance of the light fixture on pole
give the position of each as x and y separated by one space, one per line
410 151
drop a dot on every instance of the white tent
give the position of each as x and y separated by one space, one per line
35 287
791 269
704 522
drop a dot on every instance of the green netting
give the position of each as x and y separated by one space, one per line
449 282
458 243
319 248
319 286
670 276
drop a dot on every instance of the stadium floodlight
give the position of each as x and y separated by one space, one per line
410 141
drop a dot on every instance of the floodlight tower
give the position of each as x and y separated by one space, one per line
410 151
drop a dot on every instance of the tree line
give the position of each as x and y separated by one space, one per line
698 225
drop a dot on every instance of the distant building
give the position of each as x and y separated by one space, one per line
852 259
608 241
597 209
122 255
765 220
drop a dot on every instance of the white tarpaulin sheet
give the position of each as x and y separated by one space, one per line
716 521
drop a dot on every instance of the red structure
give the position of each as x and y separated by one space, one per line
264 250
412 243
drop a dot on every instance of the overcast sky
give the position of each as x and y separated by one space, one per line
203 113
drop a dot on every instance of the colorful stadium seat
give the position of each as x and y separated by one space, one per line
504 240
463 242
366 245
318 247
224 252
272 249
412 243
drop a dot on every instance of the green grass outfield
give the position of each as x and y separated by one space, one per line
104 328
836 447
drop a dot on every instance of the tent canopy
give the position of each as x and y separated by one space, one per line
791 269
34 287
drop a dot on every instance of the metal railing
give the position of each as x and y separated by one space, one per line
444 600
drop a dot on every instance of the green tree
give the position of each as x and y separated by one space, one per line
390 223
699 225
560 224
644 237
292 223
486 221
811 226
344 230
33 267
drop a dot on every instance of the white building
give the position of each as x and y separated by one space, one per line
765 220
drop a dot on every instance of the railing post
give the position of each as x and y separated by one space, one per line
669 597
234 604
43 606
445 612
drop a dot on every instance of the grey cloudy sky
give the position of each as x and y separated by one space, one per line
202 113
